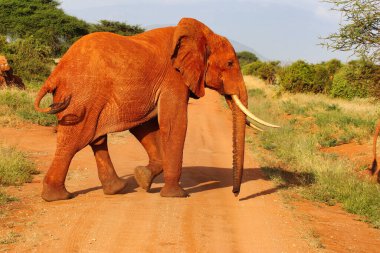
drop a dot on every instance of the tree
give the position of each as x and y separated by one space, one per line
49 25
43 20
360 29
246 57
116 27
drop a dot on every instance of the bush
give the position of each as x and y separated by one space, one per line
251 68
28 58
246 57
356 79
321 79
297 77
264 70
304 77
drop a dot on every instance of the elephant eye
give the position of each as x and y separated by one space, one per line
230 63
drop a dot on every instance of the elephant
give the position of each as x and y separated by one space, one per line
7 78
374 169
109 83
4 66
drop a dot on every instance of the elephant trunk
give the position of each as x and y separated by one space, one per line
238 138
239 120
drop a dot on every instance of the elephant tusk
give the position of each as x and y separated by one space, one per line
248 123
249 114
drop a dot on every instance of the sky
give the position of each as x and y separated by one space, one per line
285 30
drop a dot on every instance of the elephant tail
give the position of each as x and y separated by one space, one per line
53 108
374 162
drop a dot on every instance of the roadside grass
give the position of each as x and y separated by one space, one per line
16 106
291 155
15 167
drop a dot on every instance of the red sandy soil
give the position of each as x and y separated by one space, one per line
210 220
360 154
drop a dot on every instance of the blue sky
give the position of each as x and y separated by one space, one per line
284 30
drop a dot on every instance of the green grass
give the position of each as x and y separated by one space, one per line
17 106
15 167
4 198
292 157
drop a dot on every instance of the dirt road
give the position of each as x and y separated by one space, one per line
210 220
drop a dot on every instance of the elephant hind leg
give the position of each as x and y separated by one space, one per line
111 183
149 136
54 181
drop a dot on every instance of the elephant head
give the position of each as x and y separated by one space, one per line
4 66
206 59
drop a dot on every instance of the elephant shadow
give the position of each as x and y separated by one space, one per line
202 178
131 186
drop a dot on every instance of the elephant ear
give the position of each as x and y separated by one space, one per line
189 54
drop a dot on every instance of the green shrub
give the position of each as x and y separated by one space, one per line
246 57
29 58
251 68
15 168
321 80
266 71
356 79
297 77
332 66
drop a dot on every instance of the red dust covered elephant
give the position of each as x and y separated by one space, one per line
108 83
375 170
6 75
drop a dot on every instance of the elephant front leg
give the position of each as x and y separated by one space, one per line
111 183
173 125
148 135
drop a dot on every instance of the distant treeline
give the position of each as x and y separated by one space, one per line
358 78
34 32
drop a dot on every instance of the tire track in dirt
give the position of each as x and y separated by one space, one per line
211 220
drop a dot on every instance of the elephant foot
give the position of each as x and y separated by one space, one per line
173 191
144 177
115 186
51 193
